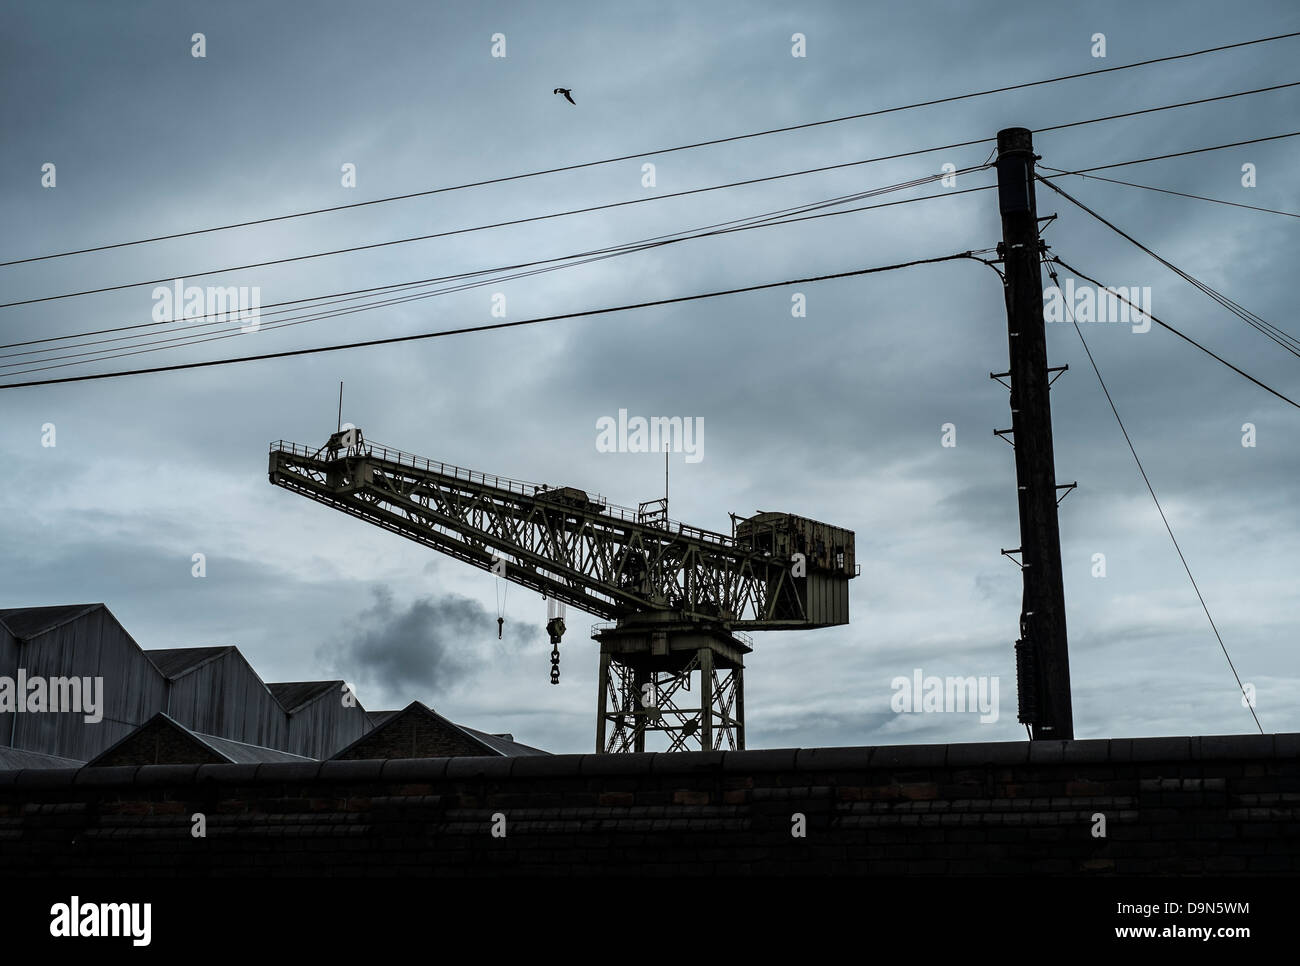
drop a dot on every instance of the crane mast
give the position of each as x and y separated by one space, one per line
675 600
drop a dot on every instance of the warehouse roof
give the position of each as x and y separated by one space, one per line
416 740
27 622
175 662
504 744
238 751
15 758
292 695
149 744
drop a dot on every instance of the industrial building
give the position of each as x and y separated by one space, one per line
192 705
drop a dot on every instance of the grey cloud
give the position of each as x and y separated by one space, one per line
429 647
835 416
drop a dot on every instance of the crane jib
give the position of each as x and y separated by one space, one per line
776 571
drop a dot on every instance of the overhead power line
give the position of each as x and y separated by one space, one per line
487 327
645 200
1267 328
663 197
660 151
314 313
1287 341
1168 191
1178 154
461 231
766 220
1185 338
1159 509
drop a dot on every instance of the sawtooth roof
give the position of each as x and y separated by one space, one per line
292 695
503 745
12 759
28 622
175 662
234 752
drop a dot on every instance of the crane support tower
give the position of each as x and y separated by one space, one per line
675 601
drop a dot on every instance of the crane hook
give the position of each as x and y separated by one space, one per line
555 628
501 622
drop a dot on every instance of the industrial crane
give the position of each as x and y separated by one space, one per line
675 600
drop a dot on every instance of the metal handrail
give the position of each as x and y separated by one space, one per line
610 625
621 513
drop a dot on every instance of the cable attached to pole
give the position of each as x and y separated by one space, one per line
1150 489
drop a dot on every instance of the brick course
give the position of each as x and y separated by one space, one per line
1201 805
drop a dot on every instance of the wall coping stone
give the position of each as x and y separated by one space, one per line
849 758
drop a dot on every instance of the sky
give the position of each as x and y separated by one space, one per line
839 415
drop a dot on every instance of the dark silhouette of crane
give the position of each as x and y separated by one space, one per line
676 600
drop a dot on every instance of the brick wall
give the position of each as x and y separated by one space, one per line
1209 805
409 734
159 742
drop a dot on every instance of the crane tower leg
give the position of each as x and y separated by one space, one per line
602 702
680 680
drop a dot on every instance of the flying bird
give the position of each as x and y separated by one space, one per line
568 95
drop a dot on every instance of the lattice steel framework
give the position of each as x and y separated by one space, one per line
679 596
628 717
589 553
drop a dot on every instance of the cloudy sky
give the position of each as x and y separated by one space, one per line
837 416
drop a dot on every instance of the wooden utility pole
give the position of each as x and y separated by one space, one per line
1042 653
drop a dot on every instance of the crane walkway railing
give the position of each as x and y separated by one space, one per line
621 513
601 626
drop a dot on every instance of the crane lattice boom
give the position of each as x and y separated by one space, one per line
776 572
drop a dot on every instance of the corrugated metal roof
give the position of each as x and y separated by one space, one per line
14 758
235 752
504 744
239 752
26 622
174 662
492 744
292 695
379 717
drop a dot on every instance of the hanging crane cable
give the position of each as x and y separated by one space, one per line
502 589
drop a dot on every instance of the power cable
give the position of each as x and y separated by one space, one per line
1168 191
660 151
1185 338
461 231
1177 154
489 326
785 216
1150 489
660 197
1268 329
